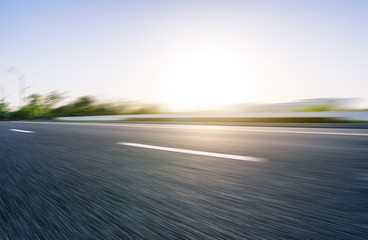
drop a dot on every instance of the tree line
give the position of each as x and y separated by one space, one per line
47 107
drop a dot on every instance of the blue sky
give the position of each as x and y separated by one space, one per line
187 53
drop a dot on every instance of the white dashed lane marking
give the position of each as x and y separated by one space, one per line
20 130
210 154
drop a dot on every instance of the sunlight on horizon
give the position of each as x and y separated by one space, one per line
186 54
208 75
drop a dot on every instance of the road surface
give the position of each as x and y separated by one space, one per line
141 181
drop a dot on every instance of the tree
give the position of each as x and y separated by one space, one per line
85 101
34 105
52 99
3 111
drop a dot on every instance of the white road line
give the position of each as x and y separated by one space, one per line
216 128
211 154
20 130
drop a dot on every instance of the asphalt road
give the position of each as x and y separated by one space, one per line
75 181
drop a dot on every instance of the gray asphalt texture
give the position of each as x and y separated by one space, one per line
75 182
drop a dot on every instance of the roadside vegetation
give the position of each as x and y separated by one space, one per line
316 108
48 107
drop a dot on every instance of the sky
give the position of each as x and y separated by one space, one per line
186 53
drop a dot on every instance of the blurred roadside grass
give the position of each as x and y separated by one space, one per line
249 119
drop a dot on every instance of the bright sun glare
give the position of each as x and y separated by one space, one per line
208 76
